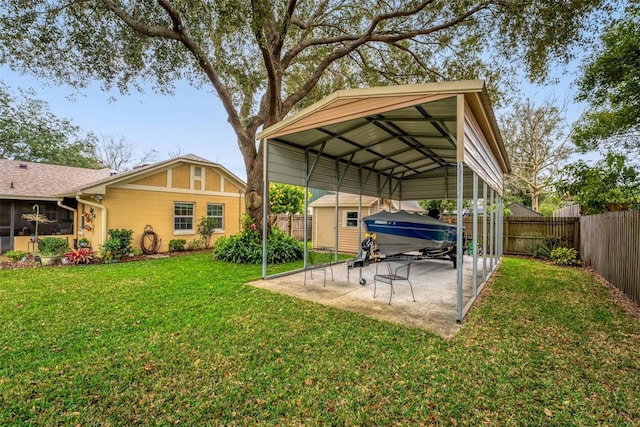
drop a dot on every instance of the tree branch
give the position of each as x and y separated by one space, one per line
356 41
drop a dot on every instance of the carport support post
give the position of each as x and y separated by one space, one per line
484 231
265 205
459 242
492 231
475 236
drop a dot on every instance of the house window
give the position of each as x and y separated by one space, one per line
216 211
183 217
351 219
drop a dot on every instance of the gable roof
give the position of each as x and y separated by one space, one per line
348 200
99 187
378 137
42 181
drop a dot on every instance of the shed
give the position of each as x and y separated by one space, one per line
518 209
349 227
410 142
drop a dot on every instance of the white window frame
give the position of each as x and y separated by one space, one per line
346 221
221 229
176 216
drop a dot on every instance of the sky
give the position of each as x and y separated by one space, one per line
193 120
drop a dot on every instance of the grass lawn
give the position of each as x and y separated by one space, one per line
182 340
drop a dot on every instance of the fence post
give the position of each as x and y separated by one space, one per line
505 240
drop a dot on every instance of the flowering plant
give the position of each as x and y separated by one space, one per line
79 256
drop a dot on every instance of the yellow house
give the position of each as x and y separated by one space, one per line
168 197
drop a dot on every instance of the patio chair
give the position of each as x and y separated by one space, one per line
397 269
319 260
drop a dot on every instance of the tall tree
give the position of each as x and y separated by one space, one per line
265 58
610 180
29 131
119 155
610 85
536 146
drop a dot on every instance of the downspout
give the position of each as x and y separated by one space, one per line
104 215
75 215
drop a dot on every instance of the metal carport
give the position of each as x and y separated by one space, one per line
411 142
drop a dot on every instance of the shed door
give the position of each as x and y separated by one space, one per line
324 230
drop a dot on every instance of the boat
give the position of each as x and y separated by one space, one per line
403 232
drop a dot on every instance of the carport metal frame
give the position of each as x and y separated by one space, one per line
409 139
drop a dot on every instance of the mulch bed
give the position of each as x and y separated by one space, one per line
6 264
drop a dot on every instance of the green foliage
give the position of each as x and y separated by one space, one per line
286 199
549 203
97 339
246 248
177 245
50 246
84 242
118 245
564 256
194 245
544 248
609 180
206 227
444 206
268 59
29 131
610 85
15 255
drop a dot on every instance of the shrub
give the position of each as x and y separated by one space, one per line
177 245
52 246
246 248
79 256
16 255
543 249
194 245
206 228
564 256
118 245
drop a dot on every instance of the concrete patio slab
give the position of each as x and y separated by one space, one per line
434 286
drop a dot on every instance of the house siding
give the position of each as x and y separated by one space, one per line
156 208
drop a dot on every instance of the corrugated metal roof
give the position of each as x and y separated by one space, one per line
407 134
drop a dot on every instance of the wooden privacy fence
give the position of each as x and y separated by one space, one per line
293 225
523 233
610 244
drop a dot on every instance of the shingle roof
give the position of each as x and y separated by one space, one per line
28 180
122 176
19 180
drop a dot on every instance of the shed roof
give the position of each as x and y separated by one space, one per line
389 141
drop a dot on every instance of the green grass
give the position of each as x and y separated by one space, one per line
182 340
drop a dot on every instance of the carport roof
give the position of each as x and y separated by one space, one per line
409 132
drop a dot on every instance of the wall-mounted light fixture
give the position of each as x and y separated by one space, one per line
98 197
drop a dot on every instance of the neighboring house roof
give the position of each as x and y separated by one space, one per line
29 180
520 210
348 200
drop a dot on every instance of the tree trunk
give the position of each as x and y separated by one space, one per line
254 199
